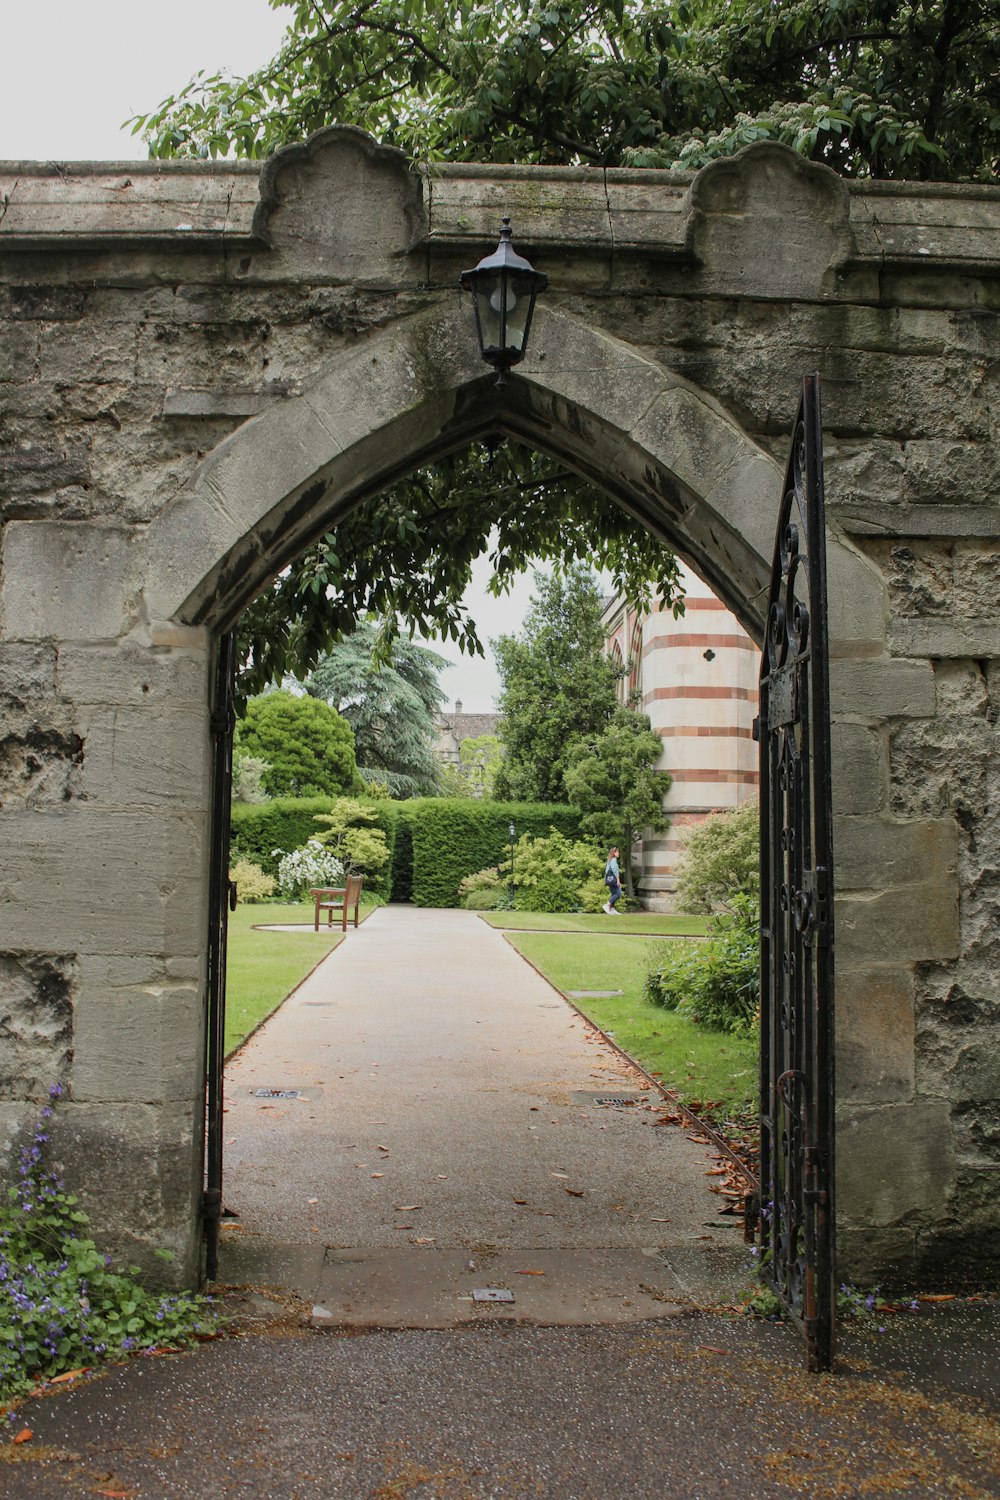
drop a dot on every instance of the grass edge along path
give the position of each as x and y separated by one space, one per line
702 1067
264 968
635 924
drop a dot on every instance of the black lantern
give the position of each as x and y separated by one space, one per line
504 286
513 834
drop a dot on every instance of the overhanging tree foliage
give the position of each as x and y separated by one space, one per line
391 709
407 554
872 87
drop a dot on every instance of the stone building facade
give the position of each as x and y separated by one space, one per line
204 365
696 679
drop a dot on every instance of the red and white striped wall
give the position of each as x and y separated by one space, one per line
696 678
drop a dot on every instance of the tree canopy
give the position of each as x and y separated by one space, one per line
556 685
390 708
610 777
308 747
878 88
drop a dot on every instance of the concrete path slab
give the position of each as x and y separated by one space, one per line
426 1089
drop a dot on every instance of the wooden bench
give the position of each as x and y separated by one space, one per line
338 898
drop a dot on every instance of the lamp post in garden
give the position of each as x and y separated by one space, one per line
504 286
512 832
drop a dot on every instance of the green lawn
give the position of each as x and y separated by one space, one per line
263 967
699 1064
645 923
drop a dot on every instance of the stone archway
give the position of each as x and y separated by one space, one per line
228 366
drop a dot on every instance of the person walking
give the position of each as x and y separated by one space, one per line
613 881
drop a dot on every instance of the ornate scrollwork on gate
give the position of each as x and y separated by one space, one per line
797 1092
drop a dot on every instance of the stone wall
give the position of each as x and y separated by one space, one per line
203 366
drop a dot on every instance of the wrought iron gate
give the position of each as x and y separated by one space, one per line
223 721
797 1079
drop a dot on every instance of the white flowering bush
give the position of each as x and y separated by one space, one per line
301 869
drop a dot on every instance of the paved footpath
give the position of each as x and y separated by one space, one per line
446 1118
447 1140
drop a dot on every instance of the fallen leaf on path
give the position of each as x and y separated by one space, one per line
574 1192
383 1148
659 1221
24 1436
424 1239
560 1174
407 1208
402 1226
312 1200
69 1375
378 1174
520 1202
936 1297
442 1177
712 1349
529 1273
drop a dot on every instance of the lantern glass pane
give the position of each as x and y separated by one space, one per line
489 300
519 295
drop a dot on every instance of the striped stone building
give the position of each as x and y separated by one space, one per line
696 678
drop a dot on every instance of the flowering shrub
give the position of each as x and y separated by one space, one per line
62 1305
309 866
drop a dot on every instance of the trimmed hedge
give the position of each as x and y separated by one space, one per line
434 842
456 836
286 824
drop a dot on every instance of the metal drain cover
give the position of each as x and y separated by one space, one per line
277 1093
492 1294
608 1101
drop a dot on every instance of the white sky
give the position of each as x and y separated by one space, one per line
76 70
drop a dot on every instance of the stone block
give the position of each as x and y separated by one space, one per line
949 637
82 353
151 756
18 353
66 581
859 769
36 466
879 854
41 757
593 371
875 1034
881 688
136 1170
914 924
766 222
36 1022
136 675
887 1258
141 1042
857 607
27 674
87 879
48 304
379 220
895 1163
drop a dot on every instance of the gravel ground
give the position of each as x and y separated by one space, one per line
698 1406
